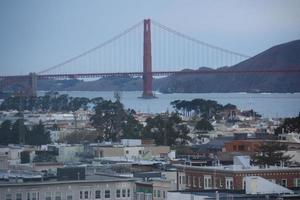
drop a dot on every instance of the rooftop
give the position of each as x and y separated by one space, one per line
238 168
33 181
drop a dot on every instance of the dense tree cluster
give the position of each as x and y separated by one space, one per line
113 122
200 107
166 130
289 125
51 101
19 133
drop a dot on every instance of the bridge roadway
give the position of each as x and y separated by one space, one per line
154 73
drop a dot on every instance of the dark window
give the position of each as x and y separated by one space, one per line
241 147
118 193
128 193
107 194
98 194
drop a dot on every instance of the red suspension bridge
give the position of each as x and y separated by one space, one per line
146 49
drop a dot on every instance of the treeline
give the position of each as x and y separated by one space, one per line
19 133
51 101
201 107
113 123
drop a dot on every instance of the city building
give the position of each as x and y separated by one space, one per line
232 177
90 187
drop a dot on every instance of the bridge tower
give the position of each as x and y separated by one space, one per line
32 84
147 62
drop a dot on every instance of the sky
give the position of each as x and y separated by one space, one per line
36 34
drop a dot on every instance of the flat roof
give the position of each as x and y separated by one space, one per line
237 168
97 178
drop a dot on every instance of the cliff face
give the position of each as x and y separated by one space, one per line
283 56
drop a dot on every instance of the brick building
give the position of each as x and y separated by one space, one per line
242 145
232 177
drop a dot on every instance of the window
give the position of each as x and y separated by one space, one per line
127 152
69 197
241 148
158 193
207 182
58 196
34 196
8 197
234 147
164 194
97 194
189 180
18 196
123 193
81 195
128 193
140 195
28 196
107 194
86 194
194 181
48 196
118 193
199 182
140 152
296 182
154 193
148 196
284 182
229 183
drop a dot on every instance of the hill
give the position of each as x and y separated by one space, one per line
283 56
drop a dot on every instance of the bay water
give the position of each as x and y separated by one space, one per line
267 104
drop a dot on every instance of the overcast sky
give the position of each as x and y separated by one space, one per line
36 34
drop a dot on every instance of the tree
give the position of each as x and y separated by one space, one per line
80 137
270 154
25 157
289 125
166 130
38 135
204 126
18 132
5 132
131 128
113 122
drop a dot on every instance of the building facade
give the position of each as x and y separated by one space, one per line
232 177
94 187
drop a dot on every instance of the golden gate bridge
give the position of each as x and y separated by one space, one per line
146 49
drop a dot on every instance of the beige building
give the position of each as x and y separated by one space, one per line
130 152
